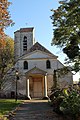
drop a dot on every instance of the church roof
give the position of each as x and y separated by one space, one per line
38 46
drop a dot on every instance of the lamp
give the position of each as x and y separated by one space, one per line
17 78
46 73
17 72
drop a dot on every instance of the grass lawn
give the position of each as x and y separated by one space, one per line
7 105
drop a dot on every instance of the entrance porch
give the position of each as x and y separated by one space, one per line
36 84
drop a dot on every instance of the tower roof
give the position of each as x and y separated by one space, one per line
25 30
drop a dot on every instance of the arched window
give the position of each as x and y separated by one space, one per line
25 43
25 65
48 64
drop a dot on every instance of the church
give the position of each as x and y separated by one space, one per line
35 65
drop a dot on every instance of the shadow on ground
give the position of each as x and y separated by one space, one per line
35 110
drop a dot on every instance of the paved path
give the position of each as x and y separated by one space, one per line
35 110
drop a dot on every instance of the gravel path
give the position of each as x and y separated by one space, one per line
35 110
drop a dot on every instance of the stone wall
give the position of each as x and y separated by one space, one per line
18 41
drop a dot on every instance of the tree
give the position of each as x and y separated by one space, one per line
5 20
66 23
6 57
55 79
6 43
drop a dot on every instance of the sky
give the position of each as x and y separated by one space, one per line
35 13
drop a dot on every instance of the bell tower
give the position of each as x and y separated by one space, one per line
23 41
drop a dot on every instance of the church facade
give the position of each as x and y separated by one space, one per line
35 65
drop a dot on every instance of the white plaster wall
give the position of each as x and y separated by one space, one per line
39 63
59 64
22 85
68 78
37 54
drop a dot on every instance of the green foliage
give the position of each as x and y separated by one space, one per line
7 105
55 79
6 57
71 104
56 98
66 23
63 71
66 101
72 50
6 54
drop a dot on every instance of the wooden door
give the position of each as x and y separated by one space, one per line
37 88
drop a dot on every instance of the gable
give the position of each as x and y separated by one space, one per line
38 46
38 55
35 70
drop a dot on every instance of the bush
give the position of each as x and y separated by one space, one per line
56 98
71 104
55 93
66 102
